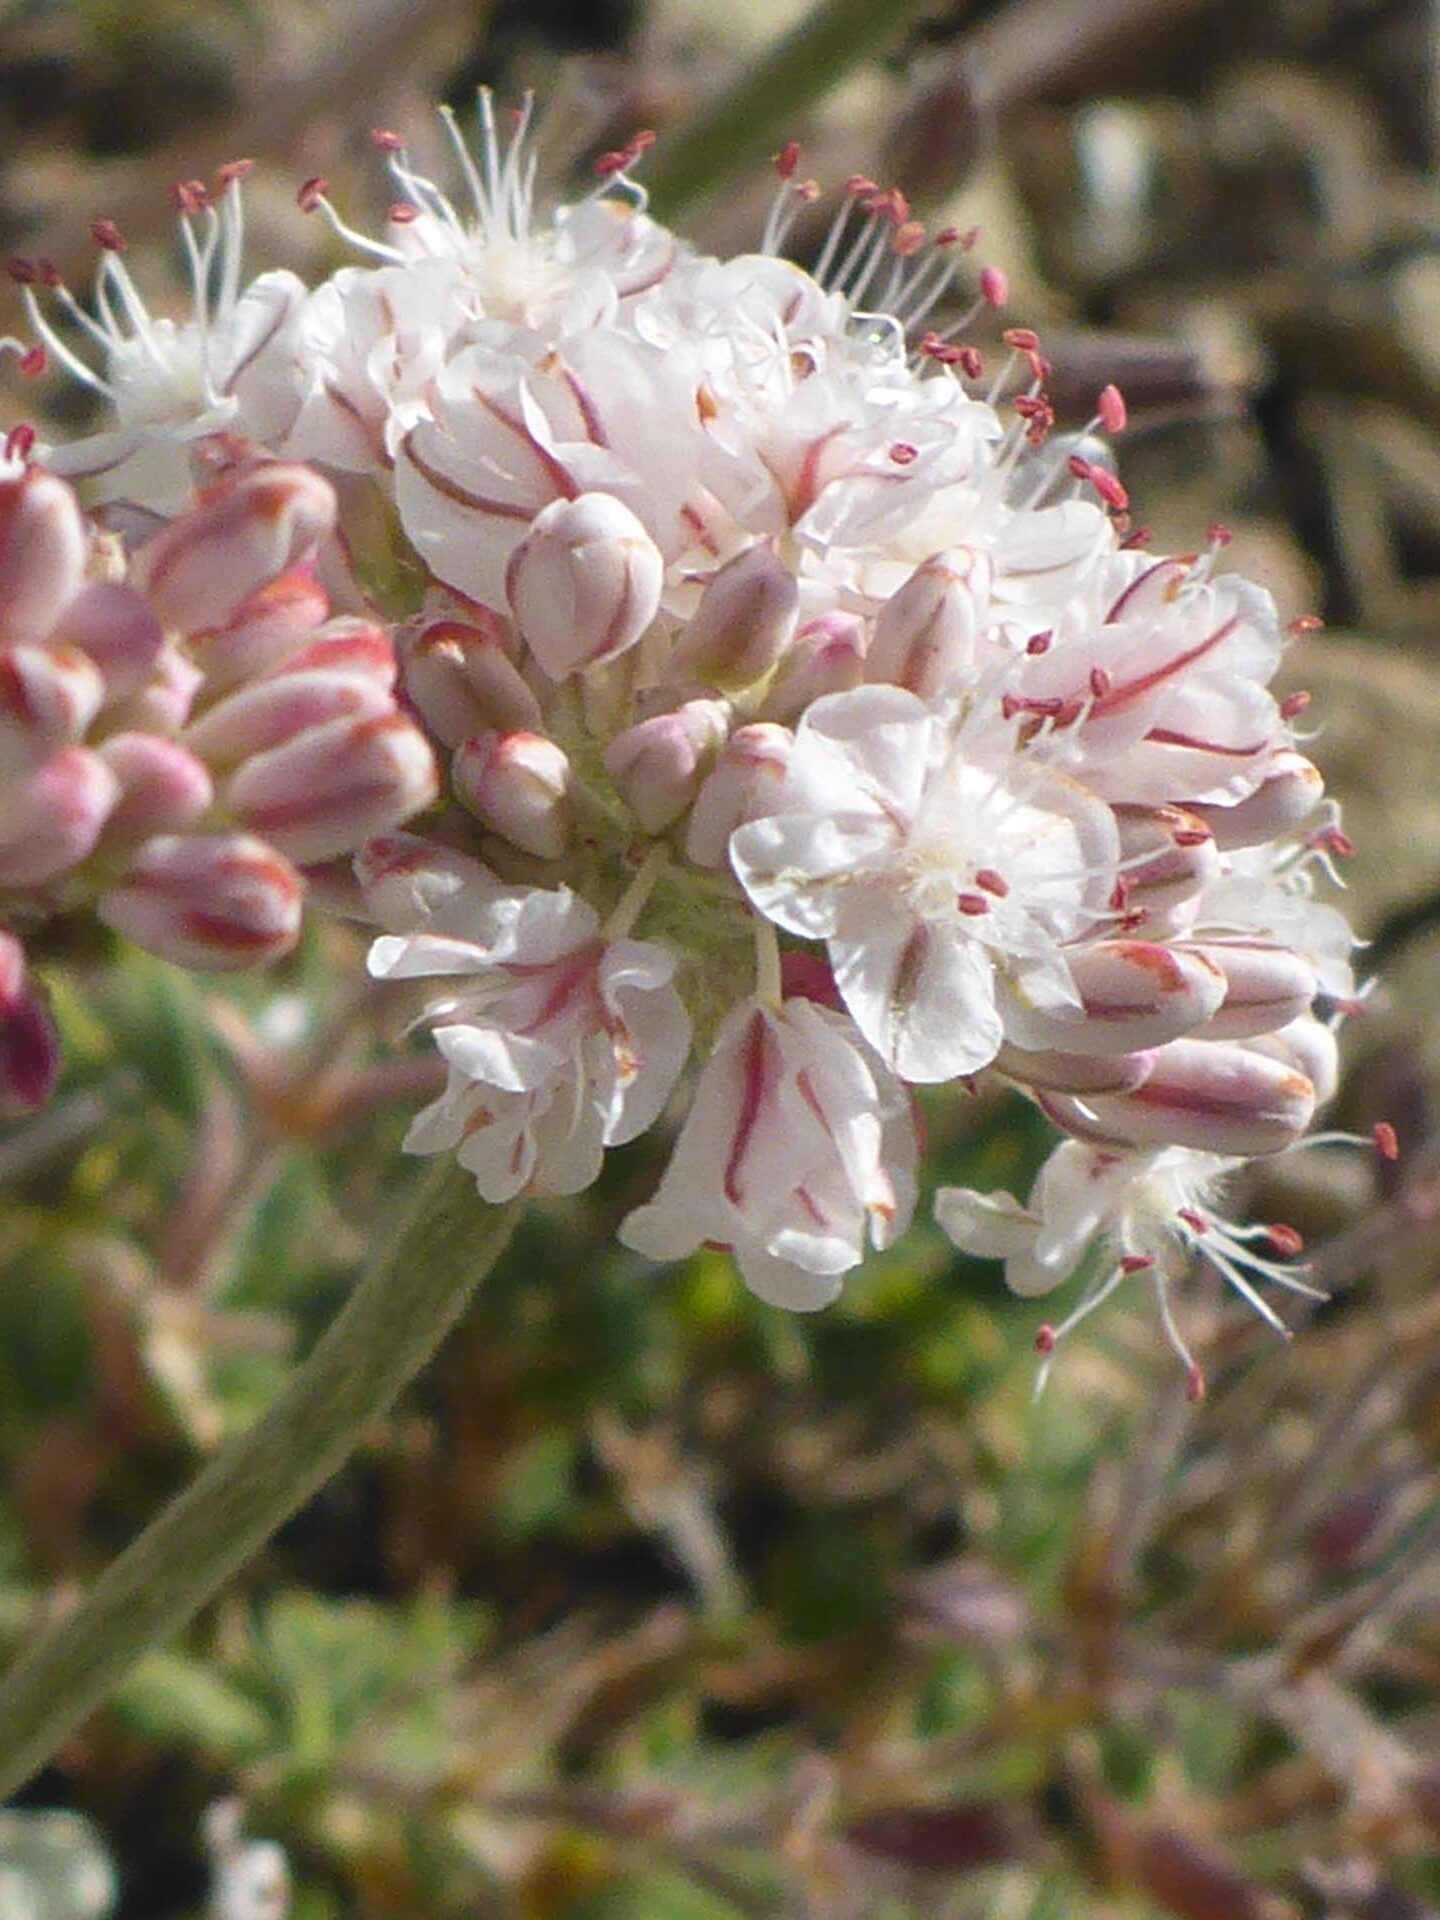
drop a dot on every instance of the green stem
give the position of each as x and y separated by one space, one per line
411 1292
764 105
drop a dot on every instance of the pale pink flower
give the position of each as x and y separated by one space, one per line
937 879
798 1152
560 1043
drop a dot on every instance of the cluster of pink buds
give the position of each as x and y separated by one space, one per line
812 713
183 731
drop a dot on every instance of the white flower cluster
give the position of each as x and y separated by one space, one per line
759 617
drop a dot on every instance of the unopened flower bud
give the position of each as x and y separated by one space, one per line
43 545
584 583
828 656
1210 1094
1075 1072
464 683
1133 995
268 627
325 791
658 764
48 697
1287 796
269 712
348 644
1169 857
1310 1047
742 626
53 816
743 785
518 785
405 877
241 532
163 788
163 703
214 901
29 1044
926 632
110 623
1265 987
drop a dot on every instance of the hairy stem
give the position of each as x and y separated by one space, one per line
764 105
411 1292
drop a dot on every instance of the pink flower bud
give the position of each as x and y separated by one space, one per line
741 627
926 633
464 683
828 657
1310 1047
48 697
350 645
1265 987
1212 1095
269 712
1169 857
163 788
43 545
1287 795
1133 995
518 785
327 790
263 632
163 704
215 901
405 877
241 532
743 785
53 816
1075 1072
658 764
119 632
29 1044
584 583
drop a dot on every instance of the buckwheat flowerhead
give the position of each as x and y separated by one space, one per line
805 709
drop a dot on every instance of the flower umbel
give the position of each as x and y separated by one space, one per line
746 612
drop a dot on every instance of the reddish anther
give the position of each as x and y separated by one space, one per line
1039 643
23 272
1306 623
908 239
1100 682
1294 704
1195 1221
231 171
992 882
903 453
312 192
20 441
1387 1143
972 364
1218 535
1285 1241
107 235
34 361
973 904
1111 408
387 140
788 159
403 213
1194 1385
1136 1262
994 287
1045 1338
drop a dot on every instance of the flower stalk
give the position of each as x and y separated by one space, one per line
413 1290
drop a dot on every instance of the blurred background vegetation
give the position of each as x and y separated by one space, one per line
649 1603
